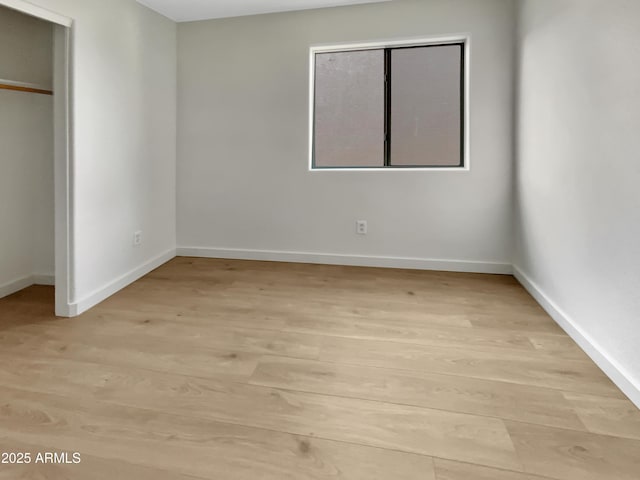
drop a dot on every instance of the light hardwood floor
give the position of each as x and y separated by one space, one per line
216 369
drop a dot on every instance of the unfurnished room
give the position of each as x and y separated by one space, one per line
320 239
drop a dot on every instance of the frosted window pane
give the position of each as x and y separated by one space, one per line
425 106
349 109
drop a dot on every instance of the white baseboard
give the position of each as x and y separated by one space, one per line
351 260
66 310
16 285
607 364
44 279
105 292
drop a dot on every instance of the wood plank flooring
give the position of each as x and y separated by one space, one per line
218 369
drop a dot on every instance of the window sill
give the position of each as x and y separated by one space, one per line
390 169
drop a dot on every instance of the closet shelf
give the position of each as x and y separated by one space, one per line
24 87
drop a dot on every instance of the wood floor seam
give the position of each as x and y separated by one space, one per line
585 430
463 376
253 427
258 385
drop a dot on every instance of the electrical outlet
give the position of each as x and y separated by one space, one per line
361 227
137 239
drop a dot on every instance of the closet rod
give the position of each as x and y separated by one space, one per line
23 87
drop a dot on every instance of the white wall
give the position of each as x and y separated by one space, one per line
26 152
124 113
243 181
578 173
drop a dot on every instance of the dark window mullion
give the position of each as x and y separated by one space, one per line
463 106
387 107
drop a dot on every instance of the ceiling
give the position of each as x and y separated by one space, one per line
188 10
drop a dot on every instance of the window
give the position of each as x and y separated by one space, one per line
383 107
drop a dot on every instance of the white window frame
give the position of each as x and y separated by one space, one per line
464 38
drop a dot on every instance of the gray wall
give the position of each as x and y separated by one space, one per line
243 179
578 172
26 150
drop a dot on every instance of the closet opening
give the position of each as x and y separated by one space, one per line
35 154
